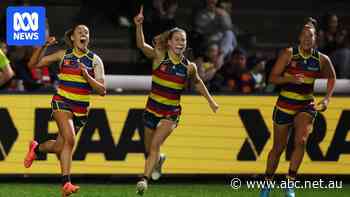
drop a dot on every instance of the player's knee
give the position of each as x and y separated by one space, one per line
300 141
58 149
69 142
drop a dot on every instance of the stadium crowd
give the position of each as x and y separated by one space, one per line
214 42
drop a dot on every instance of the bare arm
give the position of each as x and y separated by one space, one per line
327 71
210 73
147 49
38 53
200 87
276 76
158 4
6 74
201 71
47 60
97 83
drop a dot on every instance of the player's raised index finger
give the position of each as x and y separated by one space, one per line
141 10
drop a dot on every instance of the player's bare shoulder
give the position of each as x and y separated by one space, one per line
286 55
288 51
324 57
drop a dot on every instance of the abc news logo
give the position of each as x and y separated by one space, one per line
29 29
26 25
33 21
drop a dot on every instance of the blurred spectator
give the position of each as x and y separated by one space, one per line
258 74
210 64
333 41
239 33
226 5
327 33
162 18
341 56
236 76
214 25
6 72
159 18
164 14
117 12
19 56
246 83
40 75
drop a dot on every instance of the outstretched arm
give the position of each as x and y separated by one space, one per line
38 54
147 49
200 87
209 73
47 60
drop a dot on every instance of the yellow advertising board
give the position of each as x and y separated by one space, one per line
235 140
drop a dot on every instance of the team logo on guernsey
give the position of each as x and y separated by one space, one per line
66 62
293 64
25 26
163 67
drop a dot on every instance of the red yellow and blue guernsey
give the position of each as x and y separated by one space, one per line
168 82
73 92
296 98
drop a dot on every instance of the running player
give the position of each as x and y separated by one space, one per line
81 71
170 71
296 70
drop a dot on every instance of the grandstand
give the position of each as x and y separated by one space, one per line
207 151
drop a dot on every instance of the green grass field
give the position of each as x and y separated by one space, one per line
156 190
